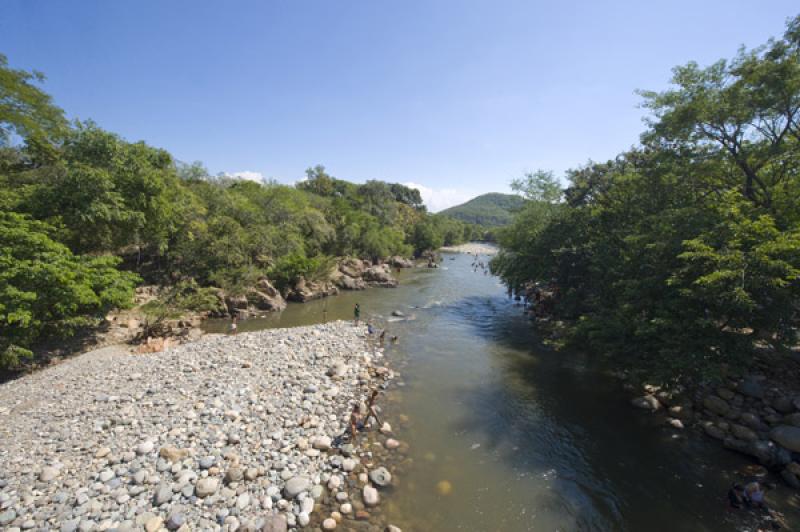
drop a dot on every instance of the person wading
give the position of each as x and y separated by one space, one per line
357 313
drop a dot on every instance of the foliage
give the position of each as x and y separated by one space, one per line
84 198
46 291
487 210
678 256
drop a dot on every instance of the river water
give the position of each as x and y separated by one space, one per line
506 435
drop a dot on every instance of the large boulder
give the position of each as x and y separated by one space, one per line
352 267
378 276
269 300
399 262
787 436
309 290
345 282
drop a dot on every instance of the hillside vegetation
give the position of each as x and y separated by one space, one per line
488 210
680 256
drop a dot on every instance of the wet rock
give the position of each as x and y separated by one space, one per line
792 419
329 524
380 477
783 404
743 433
716 405
751 386
787 436
714 431
646 402
790 478
370 496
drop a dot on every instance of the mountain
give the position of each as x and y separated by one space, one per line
493 209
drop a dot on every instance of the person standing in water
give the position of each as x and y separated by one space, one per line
357 313
234 325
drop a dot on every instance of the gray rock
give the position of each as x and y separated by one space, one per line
275 523
751 386
295 486
175 520
788 436
206 487
7 516
380 477
145 448
163 494
370 496
48 474
716 405
207 462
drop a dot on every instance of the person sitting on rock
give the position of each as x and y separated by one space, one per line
370 328
754 495
736 496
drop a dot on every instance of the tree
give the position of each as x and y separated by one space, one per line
25 110
46 291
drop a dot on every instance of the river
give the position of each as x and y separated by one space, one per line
507 435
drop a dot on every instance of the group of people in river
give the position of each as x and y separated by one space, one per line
477 263
371 330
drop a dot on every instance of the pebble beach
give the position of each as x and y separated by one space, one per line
226 433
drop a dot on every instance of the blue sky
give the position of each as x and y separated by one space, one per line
458 97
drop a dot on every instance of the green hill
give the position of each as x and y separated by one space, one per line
490 210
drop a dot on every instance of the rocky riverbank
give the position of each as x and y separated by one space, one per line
226 433
757 415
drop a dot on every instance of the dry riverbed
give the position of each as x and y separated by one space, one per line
226 433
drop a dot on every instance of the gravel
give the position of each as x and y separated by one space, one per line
227 432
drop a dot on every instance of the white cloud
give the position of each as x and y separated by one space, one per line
247 174
437 199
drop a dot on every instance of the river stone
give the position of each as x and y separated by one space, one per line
743 433
234 474
175 521
348 464
295 486
370 496
391 443
716 405
380 477
787 436
275 523
392 528
323 443
7 516
783 404
173 454
646 402
714 431
792 419
163 494
145 448
206 487
48 474
751 386
329 524
153 524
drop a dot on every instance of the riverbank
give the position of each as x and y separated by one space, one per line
472 248
222 433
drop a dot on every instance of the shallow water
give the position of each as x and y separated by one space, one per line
526 438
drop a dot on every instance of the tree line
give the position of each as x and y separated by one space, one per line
86 216
682 254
